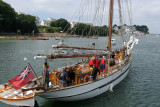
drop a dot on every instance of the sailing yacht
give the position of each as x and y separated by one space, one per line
82 86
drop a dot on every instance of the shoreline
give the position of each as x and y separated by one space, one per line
38 36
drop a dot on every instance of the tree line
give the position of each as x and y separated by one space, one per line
12 22
80 28
143 28
88 30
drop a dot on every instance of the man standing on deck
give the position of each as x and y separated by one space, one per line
97 62
103 62
94 72
92 62
63 78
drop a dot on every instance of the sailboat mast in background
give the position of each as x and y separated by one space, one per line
121 23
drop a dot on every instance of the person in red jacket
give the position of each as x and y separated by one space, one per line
103 62
97 62
92 62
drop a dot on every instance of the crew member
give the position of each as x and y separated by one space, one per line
103 62
94 72
92 62
63 78
97 62
113 55
71 77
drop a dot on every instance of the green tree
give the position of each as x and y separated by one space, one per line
88 30
81 29
48 29
145 29
10 21
114 25
63 23
7 18
142 28
26 23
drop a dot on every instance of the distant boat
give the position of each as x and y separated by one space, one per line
113 41
94 37
38 38
62 43
57 38
21 38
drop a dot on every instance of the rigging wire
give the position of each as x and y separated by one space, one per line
129 8
121 23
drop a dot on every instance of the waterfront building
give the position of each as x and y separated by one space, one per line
74 23
47 22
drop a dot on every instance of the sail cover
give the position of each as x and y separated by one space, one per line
69 53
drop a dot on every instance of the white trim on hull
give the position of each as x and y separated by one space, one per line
89 90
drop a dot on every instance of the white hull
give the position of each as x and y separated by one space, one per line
89 90
29 102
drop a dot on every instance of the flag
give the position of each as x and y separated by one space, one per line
23 78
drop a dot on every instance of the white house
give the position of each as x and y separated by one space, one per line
51 19
74 23
116 28
47 22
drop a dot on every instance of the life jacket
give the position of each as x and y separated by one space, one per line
86 79
91 62
103 61
97 62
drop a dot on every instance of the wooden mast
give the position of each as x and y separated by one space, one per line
110 24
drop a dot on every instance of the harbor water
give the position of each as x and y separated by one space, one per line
141 88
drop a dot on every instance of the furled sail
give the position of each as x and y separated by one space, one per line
74 52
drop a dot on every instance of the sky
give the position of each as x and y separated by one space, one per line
145 12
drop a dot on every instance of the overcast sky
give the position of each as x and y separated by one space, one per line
145 12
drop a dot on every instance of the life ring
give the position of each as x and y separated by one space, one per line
86 79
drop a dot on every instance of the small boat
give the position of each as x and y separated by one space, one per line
21 38
62 43
94 37
11 96
113 41
39 38
57 38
